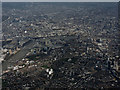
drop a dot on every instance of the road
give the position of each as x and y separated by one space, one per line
18 56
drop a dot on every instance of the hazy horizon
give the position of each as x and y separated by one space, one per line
60 0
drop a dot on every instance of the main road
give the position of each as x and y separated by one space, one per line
18 56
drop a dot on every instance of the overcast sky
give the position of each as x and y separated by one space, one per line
59 0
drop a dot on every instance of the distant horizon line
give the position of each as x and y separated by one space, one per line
61 2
